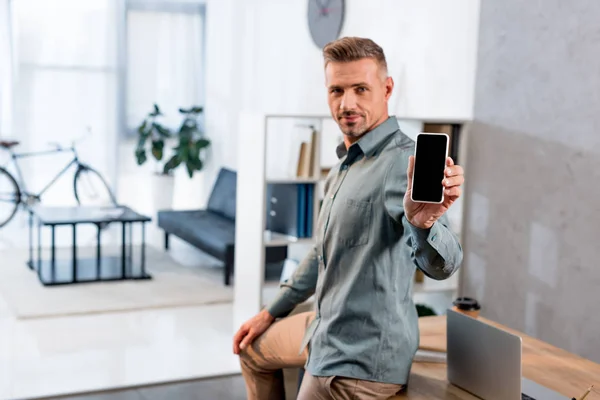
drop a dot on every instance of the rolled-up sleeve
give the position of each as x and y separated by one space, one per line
298 288
435 251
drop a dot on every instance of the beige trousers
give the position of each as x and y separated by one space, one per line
278 347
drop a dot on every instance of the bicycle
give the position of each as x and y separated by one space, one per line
17 194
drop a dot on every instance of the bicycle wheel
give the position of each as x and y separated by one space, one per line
10 197
91 188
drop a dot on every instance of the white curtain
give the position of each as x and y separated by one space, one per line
65 82
5 71
164 64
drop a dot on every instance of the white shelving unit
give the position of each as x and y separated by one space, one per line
250 291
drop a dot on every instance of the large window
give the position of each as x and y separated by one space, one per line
164 59
5 70
66 79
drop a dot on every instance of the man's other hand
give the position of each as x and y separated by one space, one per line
251 329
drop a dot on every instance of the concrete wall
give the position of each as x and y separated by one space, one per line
533 171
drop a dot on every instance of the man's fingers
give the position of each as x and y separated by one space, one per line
453 192
248 339
237 339
410 170
449 161
454 170
454 181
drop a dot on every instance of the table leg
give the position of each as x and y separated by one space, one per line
30 264
143 250
123 244
130 255
98 236
53 254
39 248
74 252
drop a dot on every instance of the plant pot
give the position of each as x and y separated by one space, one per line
188 192
163 187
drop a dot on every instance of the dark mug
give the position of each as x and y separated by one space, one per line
467 305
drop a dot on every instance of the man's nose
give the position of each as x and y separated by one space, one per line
348 102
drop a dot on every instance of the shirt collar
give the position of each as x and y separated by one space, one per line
371 140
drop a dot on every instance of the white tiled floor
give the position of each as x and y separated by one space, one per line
62 355
51 356
43 357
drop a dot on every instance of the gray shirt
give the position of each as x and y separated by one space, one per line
362 267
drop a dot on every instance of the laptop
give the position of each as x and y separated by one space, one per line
486 361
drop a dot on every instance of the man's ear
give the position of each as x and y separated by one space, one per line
389 87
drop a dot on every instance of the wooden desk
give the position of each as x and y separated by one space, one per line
547 365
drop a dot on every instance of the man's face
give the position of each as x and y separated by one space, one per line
357 95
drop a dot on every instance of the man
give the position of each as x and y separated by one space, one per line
362 337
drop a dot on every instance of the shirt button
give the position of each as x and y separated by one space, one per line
433 237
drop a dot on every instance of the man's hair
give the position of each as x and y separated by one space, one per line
349 49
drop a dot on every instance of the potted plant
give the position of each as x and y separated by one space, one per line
188 140
151 137
191 142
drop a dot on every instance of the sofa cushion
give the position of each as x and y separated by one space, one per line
222 197
208 231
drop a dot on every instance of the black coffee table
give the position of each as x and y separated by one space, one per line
55 271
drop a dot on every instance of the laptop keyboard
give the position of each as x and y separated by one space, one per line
525 397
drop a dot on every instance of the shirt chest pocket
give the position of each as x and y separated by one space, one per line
355 222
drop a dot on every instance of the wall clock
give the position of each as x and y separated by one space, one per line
325 20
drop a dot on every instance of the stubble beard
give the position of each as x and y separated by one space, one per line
352 129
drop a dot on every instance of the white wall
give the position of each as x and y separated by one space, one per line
260 58
5 71
223 80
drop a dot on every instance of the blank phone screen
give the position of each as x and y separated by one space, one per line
430 162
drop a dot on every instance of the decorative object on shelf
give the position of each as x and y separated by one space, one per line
325 20
424 311
307 156
189 138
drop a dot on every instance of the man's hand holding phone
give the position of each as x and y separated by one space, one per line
422 214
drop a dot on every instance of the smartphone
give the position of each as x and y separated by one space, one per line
431 152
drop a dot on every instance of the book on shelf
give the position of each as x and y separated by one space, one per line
290 209
307 157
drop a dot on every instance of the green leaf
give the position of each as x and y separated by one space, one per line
186 130
157 149
190 169
142 128
162 131
140 155
156 112
141 142
183 151
199 165
173 163
202 143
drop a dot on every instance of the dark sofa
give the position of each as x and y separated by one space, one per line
212 230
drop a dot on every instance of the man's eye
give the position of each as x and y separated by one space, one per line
336 91
361 89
